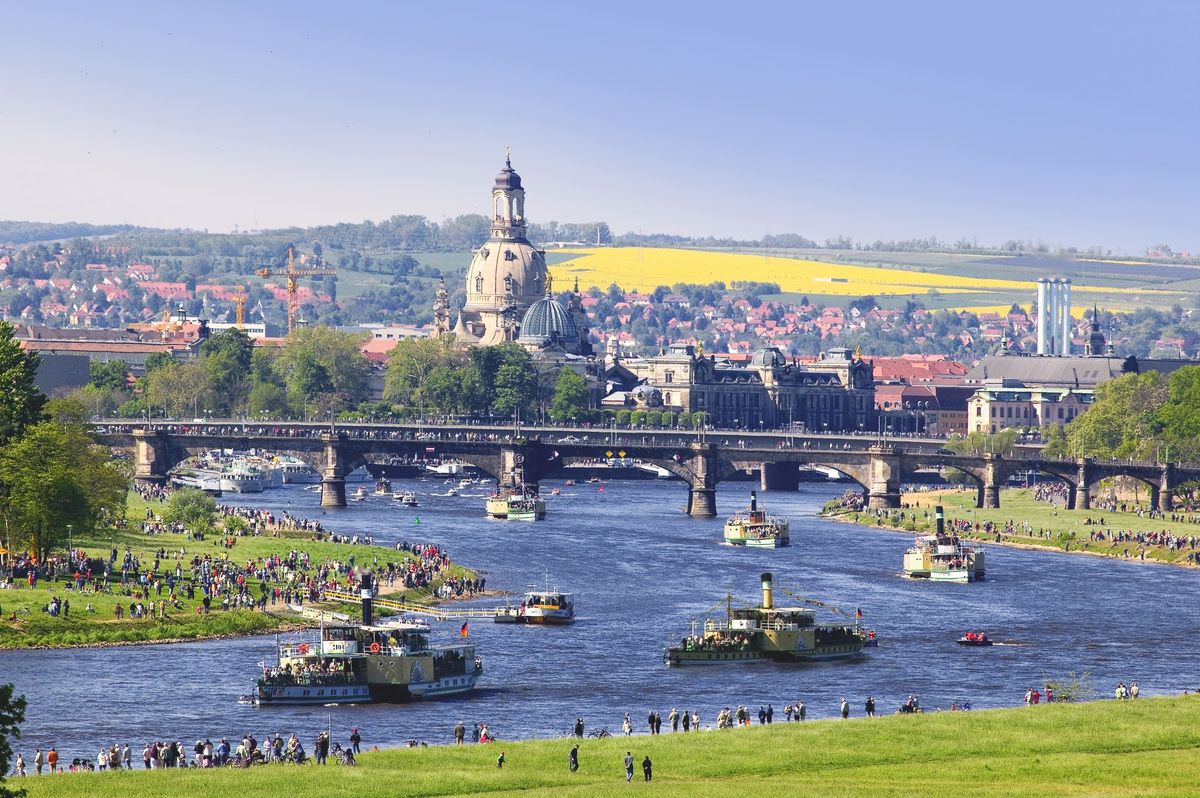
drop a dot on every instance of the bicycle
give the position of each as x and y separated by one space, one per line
600 733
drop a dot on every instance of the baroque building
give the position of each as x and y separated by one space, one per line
835 393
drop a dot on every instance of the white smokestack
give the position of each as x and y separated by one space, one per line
1043 311
1064 309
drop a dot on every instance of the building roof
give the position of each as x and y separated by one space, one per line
1074 371
548 322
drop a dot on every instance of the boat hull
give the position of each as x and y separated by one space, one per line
514 615
758 543
680 657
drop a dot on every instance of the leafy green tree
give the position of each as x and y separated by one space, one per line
309 377
1178 418
516 383
12 714
570 396
55 477
1123 421
180 389
21 402
488 361
622 417
227 360
338 354
410 365
111 375
267 400
193 508
158 360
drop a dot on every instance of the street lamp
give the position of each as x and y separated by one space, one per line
70 545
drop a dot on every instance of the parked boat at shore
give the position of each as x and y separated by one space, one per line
767 632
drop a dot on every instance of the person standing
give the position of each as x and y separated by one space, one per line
650 720
127 757
356 738
500 761
687 721
20 764
460 733
628 766
646 767
845 709
770 714
37 757
695 721
627 725
801 711
146 757
674 718
657 722
573 758
1133 690
870 707
579 727
52 759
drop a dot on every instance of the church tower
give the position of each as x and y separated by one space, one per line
441 310
507 275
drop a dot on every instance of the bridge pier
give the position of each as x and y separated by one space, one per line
702 489
1166 489
1083 491
702 503
333 475
779 476
883 489
989 495
150 458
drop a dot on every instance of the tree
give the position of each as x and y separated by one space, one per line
339 356
12 714
411 363
1123 420
111 375
53 478
227 360
516 385
266 400
193 508
180 389
570 396
21 402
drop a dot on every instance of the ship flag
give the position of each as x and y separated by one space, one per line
463 631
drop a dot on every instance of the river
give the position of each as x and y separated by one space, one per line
641 571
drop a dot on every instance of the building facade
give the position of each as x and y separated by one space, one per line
1008 403
833 394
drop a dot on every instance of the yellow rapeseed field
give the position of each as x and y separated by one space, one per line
645 268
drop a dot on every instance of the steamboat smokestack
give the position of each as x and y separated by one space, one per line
940 519
767 592
368 605
753 501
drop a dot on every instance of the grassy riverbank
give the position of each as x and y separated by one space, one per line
35 628
1053 526
1143 747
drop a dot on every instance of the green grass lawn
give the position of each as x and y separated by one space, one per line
1142 747
34 627
1053 525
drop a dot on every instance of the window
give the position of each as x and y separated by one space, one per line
668 376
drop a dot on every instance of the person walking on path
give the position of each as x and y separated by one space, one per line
646 767
870 707
845 709
573 758
628 766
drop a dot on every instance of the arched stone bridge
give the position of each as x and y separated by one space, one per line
702 461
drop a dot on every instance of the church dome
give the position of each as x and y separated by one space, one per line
508 177
768 357
548 322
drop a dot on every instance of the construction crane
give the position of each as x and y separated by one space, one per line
293 276
239 307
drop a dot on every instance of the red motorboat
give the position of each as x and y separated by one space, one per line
974 639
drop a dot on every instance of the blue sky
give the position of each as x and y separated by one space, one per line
1068 123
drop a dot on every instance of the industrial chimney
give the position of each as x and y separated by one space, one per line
1064 317
767 592
1043 321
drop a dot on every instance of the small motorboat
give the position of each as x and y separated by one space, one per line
570 483
974 639
360 494
555 492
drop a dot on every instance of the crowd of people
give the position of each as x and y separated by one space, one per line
161 755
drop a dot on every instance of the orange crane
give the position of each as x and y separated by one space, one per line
293 275
239 307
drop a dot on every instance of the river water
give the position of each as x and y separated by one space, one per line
641 571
